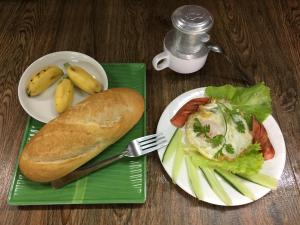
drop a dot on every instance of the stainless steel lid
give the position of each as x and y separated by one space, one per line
192 19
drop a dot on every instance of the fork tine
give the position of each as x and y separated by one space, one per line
154 148
153 144
151 140
141 139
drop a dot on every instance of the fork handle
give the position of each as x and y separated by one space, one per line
85 170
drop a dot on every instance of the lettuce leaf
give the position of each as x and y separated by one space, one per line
248 163
255 100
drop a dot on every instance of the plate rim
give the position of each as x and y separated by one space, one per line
193 93
52 54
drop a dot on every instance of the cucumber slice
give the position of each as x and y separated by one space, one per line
194 178
261 179
216 186
177 163
236 182
173 144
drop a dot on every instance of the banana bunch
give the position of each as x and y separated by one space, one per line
64 95
82 79
42 80
64 91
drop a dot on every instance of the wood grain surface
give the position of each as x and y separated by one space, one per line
262 38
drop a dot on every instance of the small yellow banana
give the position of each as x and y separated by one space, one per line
83 79
42 80
64 95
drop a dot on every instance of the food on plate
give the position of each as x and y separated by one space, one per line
82 79
194 178
64 95
261 179
217 132
216 185
260 135
64 92
236 182
223 133
187 109
42 80
80 134
178 160
173 145
221 129
249 163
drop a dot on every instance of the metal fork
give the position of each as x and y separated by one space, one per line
137 147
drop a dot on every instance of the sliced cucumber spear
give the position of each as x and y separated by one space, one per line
261 179
173 145
178 160
237 183
216 186
194 178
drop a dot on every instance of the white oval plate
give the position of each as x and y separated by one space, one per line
41 107
273 167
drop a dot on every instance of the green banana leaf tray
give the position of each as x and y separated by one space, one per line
121 182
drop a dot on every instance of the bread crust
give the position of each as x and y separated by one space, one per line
80 134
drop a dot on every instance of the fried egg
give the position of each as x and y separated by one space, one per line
215 118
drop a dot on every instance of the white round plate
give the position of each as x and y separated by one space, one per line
273 167
41 107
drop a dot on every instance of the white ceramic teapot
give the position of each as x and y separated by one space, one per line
185 46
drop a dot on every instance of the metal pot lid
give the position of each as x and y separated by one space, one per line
192 19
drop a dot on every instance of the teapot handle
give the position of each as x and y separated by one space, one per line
161 61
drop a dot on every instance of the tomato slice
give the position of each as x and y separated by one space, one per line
260 135
187 109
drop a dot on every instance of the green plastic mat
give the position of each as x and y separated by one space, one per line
122 182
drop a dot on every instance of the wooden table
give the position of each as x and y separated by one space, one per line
261 37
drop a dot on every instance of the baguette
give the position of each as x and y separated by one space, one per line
80 134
